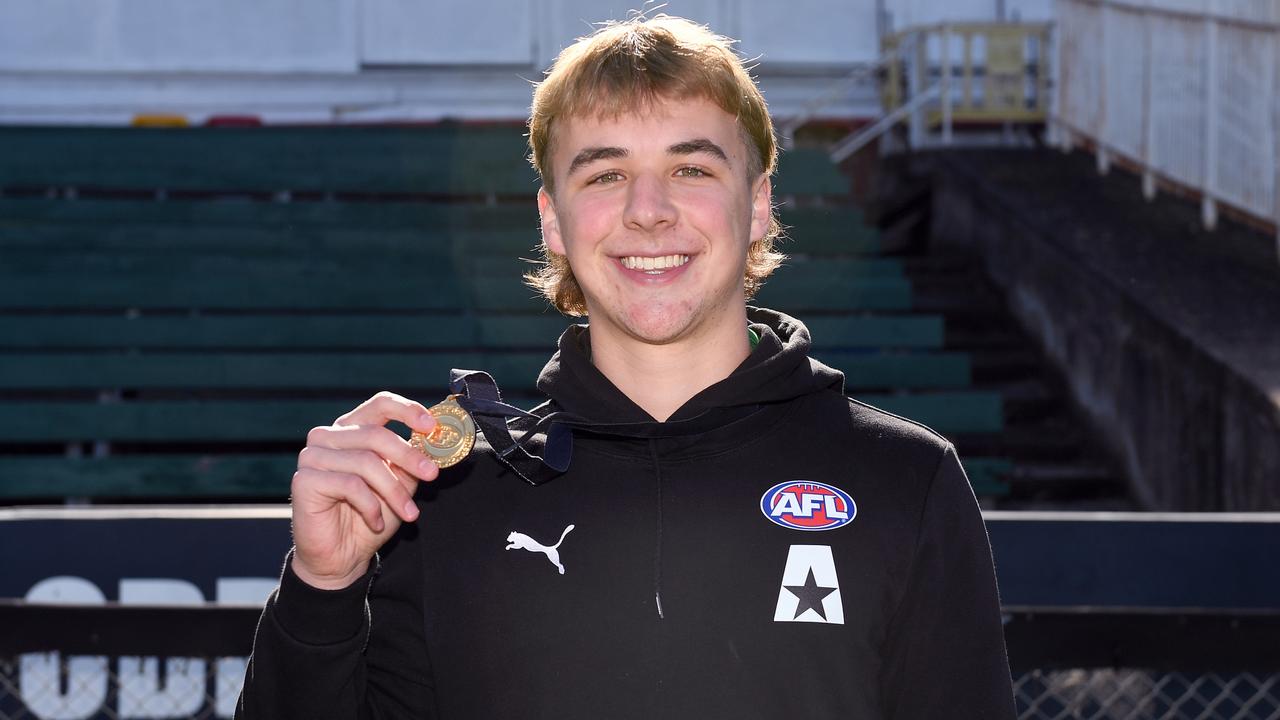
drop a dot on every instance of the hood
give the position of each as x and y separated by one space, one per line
777 370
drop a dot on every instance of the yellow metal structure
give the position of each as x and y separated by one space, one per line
1001 68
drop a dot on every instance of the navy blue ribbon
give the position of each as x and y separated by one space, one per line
478 394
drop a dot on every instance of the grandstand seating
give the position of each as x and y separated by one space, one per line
181 347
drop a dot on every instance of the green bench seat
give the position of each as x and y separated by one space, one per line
181 215
266 475
808 171
514 370
391 331
429 160
30 281
286 421
451 161
970 411
988 475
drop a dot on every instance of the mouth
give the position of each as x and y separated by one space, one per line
653 266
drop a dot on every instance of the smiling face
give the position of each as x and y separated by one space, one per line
655 211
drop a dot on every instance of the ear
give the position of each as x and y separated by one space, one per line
761 207
550 223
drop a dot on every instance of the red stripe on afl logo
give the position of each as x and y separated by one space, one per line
805 505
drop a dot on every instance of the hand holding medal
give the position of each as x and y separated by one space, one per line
453 436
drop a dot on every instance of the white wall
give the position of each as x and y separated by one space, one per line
102 61
408 32
906 13
178 35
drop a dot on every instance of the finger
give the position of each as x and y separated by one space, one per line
369 466
390 446
409 482
341 487
386 406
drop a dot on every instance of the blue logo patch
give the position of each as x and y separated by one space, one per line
807 505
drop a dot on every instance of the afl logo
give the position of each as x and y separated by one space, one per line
804 505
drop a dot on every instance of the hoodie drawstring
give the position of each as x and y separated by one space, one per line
657 549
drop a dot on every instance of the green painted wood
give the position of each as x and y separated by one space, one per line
807 217
368 227
906 371
385 331
350 159
35 281
945 412
987 475
185 477
872 331
514 370
177 421
286 421
355 371
425 242
808 171
180 214
280 332
346 159
828 240
151 477
795 296
840 269
319 283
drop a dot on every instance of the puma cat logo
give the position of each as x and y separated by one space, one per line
524 542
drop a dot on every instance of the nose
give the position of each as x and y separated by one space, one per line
649 206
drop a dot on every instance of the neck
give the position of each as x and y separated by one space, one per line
662 377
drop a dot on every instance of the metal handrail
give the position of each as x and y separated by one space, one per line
859 139
856 76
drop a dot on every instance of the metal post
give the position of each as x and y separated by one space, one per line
1148 116
1275 140
916 82
1208 203
968 70
946 85
1103 156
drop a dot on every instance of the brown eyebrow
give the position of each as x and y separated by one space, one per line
698 145
590 155
687 147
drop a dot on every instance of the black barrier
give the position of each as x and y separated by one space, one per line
1173 615
1117 560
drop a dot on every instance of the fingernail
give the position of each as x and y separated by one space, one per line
426 421
411 510
379 525
426 466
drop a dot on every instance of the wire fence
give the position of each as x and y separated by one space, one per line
50 686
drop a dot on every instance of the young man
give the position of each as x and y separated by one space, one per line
733 537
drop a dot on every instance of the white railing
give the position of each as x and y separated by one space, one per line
1186 90
936 76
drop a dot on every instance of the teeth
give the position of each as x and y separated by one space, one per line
654 264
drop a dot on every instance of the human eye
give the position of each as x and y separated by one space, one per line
692 171
606 178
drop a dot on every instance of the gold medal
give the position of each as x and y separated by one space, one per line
453 436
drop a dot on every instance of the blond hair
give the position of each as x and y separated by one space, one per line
632 64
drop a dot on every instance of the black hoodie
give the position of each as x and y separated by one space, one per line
774 550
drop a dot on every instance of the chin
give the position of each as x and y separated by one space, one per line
658 325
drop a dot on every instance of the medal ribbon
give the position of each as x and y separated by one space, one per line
478 394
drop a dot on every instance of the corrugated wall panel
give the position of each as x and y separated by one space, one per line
1178 97
1245 173
1123 73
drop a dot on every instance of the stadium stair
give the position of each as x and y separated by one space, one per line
179 306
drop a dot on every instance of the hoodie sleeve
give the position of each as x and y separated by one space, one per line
355 653
944 653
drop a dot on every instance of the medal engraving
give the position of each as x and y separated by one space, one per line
453 436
